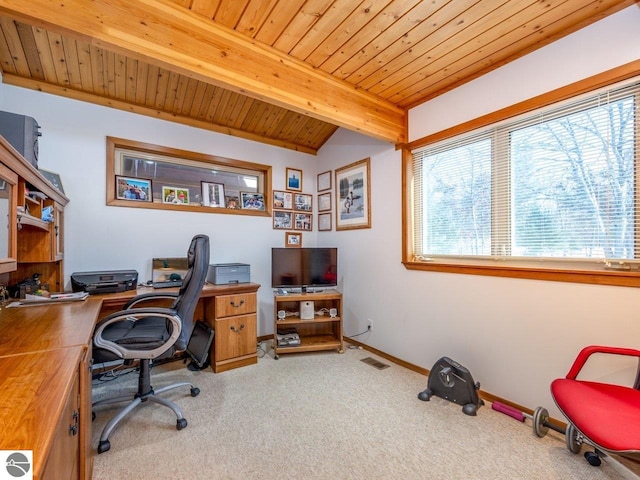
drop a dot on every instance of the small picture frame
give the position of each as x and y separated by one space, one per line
324 202
324 222
252 201
134 189
324 181
293 239
282 220
175 195
303 221
54 179
232 199
213 195
294 179
303 202
283 200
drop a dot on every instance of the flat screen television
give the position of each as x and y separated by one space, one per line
304 267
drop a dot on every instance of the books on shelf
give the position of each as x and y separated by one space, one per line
288 337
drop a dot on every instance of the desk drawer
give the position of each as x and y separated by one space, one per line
231 305
235 337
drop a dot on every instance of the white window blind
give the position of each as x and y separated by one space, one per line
555 185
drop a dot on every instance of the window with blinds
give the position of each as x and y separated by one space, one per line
555 187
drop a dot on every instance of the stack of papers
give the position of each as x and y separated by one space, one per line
53 298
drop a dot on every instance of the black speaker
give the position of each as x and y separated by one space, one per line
22 133
453 382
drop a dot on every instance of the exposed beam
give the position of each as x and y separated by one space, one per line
164 34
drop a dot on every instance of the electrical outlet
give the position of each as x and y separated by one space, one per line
370 325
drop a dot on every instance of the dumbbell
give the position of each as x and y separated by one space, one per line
540 418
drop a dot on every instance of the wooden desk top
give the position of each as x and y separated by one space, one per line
47 327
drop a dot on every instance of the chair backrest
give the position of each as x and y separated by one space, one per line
185 304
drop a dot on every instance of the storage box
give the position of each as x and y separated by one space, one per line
228 273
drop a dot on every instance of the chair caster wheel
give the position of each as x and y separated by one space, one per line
104 446
195 391
181 423
593 459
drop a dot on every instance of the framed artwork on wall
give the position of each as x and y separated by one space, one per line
324 222
324 181
303 221
324 202
283 200
293 239
303 202
294 179
353 196
282 220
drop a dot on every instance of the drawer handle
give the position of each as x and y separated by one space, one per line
233 328
237 305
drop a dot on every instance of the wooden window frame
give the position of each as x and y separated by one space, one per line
207 161
616 278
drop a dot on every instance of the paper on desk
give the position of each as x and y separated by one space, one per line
53 298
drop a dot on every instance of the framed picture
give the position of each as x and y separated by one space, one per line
324 222
282 200
324 181
252 201
175 195
213 195
294 179
324 202
282 220
303 221
303 202
137 189
54 178
353 196
293 239
232 199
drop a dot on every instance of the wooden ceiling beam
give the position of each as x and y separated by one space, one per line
164 34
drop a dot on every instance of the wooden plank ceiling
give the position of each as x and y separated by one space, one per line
282 72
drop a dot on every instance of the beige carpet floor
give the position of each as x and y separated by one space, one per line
322 416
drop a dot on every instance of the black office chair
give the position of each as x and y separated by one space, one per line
151 333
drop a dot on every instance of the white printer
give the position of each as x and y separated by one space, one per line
229 273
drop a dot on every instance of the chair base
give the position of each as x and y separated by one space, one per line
149 395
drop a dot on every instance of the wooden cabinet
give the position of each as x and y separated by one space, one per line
8 227
63 459
322 331
232 313
34 244
45 352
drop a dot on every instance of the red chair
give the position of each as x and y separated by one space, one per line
602 415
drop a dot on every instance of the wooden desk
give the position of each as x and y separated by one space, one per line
231 310
45 378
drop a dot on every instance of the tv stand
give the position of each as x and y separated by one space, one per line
322 332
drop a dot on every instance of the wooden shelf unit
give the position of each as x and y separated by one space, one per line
323 332
34 245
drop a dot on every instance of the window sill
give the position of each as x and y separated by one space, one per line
600 277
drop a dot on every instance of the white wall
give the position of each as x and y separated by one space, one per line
515 336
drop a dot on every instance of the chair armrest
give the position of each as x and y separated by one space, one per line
586 352
143 297
134 315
